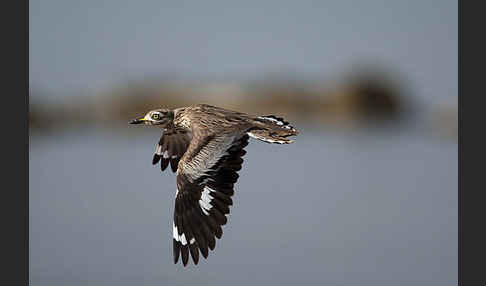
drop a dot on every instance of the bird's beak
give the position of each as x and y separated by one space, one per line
138 121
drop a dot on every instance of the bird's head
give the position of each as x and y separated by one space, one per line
156 117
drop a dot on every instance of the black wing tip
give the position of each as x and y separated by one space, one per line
219 233
193 250
173 164
163 164
204 252
185 250
185 255
156 159
194 253
177 250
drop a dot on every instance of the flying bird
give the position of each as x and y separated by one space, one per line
204 145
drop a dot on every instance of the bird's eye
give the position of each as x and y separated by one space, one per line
155 116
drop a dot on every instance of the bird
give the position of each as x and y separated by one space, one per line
204 146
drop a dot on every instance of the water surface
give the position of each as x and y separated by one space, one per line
340 208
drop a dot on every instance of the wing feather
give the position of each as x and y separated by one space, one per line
205 182
171 147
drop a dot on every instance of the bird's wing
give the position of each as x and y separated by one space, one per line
171 147
205 180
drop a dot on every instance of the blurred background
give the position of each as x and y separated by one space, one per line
366 195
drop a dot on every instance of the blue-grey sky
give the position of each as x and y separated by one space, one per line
97 44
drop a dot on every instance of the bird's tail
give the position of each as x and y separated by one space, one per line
272 129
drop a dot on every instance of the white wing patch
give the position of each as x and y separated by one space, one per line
205 200
166 154
175 234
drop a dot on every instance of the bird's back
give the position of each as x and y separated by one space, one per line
211 119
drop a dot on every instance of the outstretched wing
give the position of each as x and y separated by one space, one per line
171 147
205 183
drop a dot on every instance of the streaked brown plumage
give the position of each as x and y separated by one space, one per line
205 144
